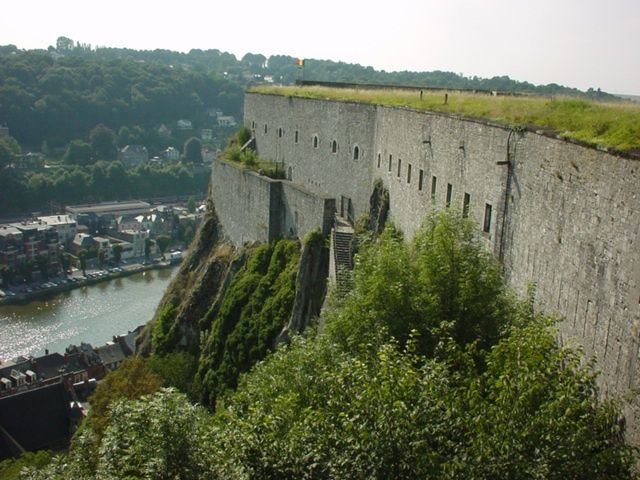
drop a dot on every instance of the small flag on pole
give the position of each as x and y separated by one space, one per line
300 62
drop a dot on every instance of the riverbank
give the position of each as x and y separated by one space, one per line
35 291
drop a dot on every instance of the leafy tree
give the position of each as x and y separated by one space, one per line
103 142
147 247
65 260
78 153
443 284
11 469
193 150
163 241
82 257
170 439
191 205
176 369
7 274
9 148
43 265
130 381
26 270
188 235
117 253
101 257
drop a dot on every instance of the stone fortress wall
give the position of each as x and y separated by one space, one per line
256 208
556 213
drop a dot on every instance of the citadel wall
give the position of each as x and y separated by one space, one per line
253 207
561 215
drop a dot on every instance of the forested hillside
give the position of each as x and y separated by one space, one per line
58 100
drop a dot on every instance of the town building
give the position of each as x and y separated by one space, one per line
64 225
184 124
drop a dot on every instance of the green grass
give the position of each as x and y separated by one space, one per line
606 125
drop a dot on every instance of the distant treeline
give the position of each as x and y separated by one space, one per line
61 93
99 182
44 97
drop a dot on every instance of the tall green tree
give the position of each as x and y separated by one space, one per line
193 150
103 142
82 257
116 250
78 153
163 241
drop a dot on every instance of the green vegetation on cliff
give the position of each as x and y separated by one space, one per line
608 125
427 369
256 307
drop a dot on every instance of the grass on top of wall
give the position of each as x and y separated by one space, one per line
605 125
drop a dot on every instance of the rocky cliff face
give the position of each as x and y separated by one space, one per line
228 307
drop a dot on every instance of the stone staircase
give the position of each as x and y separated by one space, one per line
342 250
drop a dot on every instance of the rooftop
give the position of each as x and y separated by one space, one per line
614 126
109 207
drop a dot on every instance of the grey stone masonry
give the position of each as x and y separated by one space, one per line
255 208
556 213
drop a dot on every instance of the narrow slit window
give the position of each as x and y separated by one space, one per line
295 137
280 132
449 194
399 167
390 161
379 159
420 179
434 186
487 218
334 147
408 173
265 128
465 205
356 152
315 141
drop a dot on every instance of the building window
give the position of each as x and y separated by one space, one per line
420 179
449 193
409 173
280 132
295 137
487 218
434 185
379 158
265 128
356 152
334 147
399 167
253 125
315 141
390 161
465 205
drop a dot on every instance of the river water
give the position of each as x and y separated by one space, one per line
90 314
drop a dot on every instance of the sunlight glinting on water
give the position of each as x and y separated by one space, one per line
89 314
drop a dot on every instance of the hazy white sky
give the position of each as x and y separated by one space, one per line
579 43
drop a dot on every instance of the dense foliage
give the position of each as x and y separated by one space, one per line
255 309
42 99
99 182
372 398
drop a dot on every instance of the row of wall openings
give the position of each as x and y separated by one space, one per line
316 142
466 202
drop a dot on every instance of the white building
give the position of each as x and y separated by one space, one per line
65 225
